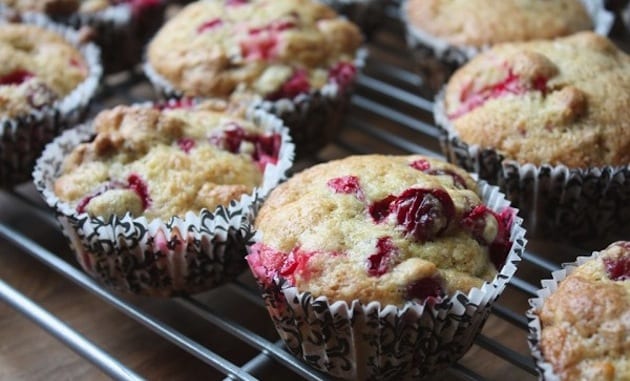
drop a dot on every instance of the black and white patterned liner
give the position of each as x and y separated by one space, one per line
587 204
154 257
119 34
438 59
367 14
549 286
23 138
384 342
313 119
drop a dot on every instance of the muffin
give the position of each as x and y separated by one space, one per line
119 27
47 79
549 122
348 248
157 200
445 34
294 58
580 322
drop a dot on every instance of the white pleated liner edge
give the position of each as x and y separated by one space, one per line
603 21
548 287
458 303
240 212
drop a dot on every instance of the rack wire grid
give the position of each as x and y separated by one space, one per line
387 116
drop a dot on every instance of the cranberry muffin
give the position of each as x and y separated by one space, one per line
46 80
398 232
173 184
295 58
584 319
119 27
448 33
560 104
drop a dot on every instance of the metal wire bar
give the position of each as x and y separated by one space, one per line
65 334
250 338
59 265
525 363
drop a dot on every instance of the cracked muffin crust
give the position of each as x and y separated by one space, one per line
586 321
276 49
161 162
380 228
480 23
38 68
546 102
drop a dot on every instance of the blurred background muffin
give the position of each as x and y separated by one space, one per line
296 59
549 122
119 27
47 79
445 34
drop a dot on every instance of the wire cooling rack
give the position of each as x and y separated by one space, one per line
390 113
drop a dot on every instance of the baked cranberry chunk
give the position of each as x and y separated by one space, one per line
618 269
498 241
294 86
346 185
380 262
16 77
423 213
424 288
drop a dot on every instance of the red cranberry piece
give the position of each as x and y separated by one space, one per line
420 165
380 262
16 77
186 144
475 223
511 84
618 269
208 25
259 46
233 3
379 210
423 213
294 86
342 73
424 288
347 185
83 203
267 263
266 147
139 6
138 185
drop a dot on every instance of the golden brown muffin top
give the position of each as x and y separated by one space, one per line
161 163
64 7
564 101
38 67
586 321
487 22
379 228
277 48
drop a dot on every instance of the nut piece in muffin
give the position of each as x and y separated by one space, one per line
586 321
480 23
161 162
39 67
380 228
275 49
546 102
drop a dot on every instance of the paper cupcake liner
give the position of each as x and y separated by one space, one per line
549 286
160 258
437 59
367 14
587 204
358 341
119 31
23 138
313 119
